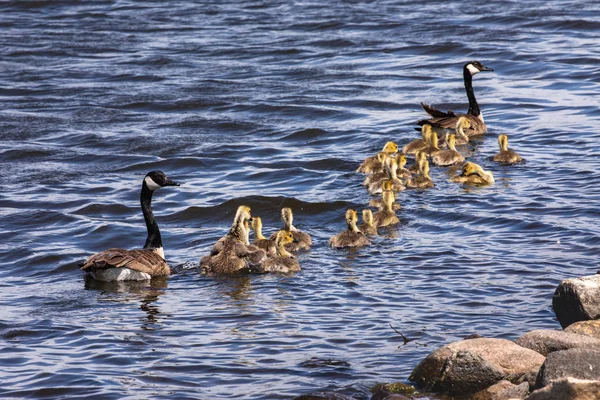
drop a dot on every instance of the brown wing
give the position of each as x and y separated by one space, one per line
448 120
143 260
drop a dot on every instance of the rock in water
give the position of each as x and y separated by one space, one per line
503 390
472 365
546 341
577 299
576 363
568 389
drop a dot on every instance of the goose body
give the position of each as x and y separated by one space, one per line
302 240
506 155
387 216
473 174
351 237
120 264
447 120
367 227
448 157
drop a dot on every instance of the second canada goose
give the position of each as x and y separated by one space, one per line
448 157
367 227
387 216
302 240
259 240
120 264
506 155
447 120
283 262
232 253
370 163
351 237
472 173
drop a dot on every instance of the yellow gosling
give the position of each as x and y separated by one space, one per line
352 237
506 155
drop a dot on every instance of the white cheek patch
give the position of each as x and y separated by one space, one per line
151 184
472 69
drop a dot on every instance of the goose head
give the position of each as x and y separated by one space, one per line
257 228
470 168
283 237
425 129
391 166
424 168
475 67
503 142
157 179
351 220
420 155
390 148
433 140
287 217
451 141
367 216
401 160
462 124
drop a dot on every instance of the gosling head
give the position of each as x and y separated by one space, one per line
420 155
287 217
469 168
242 214
367 216
283 238
351 218
386 185
401 160
463 123
433 139
391 166
451 140
381 157
475 67
157 179
390 148
503 142
424 168
425 129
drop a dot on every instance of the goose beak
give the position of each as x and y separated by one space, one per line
484 68
171 183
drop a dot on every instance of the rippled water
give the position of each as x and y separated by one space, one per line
271 104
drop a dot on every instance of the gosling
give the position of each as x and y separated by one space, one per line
506 155
473 174
352 237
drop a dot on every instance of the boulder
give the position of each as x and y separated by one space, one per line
546 341
324 396
576 363
385 391
568 389
469 366
503 390
588 328
577 299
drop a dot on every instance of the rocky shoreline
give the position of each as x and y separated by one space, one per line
539 365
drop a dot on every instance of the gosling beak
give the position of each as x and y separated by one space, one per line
484 68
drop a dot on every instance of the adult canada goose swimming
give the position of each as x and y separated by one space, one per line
367 227
351 237
259 240
232 253
472 173
447 120
391 168
422 180
371 163
136 265
302 240
506 155
448 157
386 186
418 144
387 216
284 261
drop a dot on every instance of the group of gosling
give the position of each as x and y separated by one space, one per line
387 175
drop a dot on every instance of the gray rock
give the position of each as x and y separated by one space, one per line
384 391
576 363
472 365
568 389
324 396
577 299
546 341
588 328
503 390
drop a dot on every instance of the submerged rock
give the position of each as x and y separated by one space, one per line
472 365
389 391
576 363
546 341
587 328
503 390
568 389
577 299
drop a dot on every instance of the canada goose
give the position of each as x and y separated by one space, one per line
367 227
283 261
472 173
233 253
386 186
260 241
302 240
351 237
447 120
370 163
419 155
418 144
136 265
448 157
391 168
422 180
387 216
506 155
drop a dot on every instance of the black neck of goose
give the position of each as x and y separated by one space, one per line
154 240
473 106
